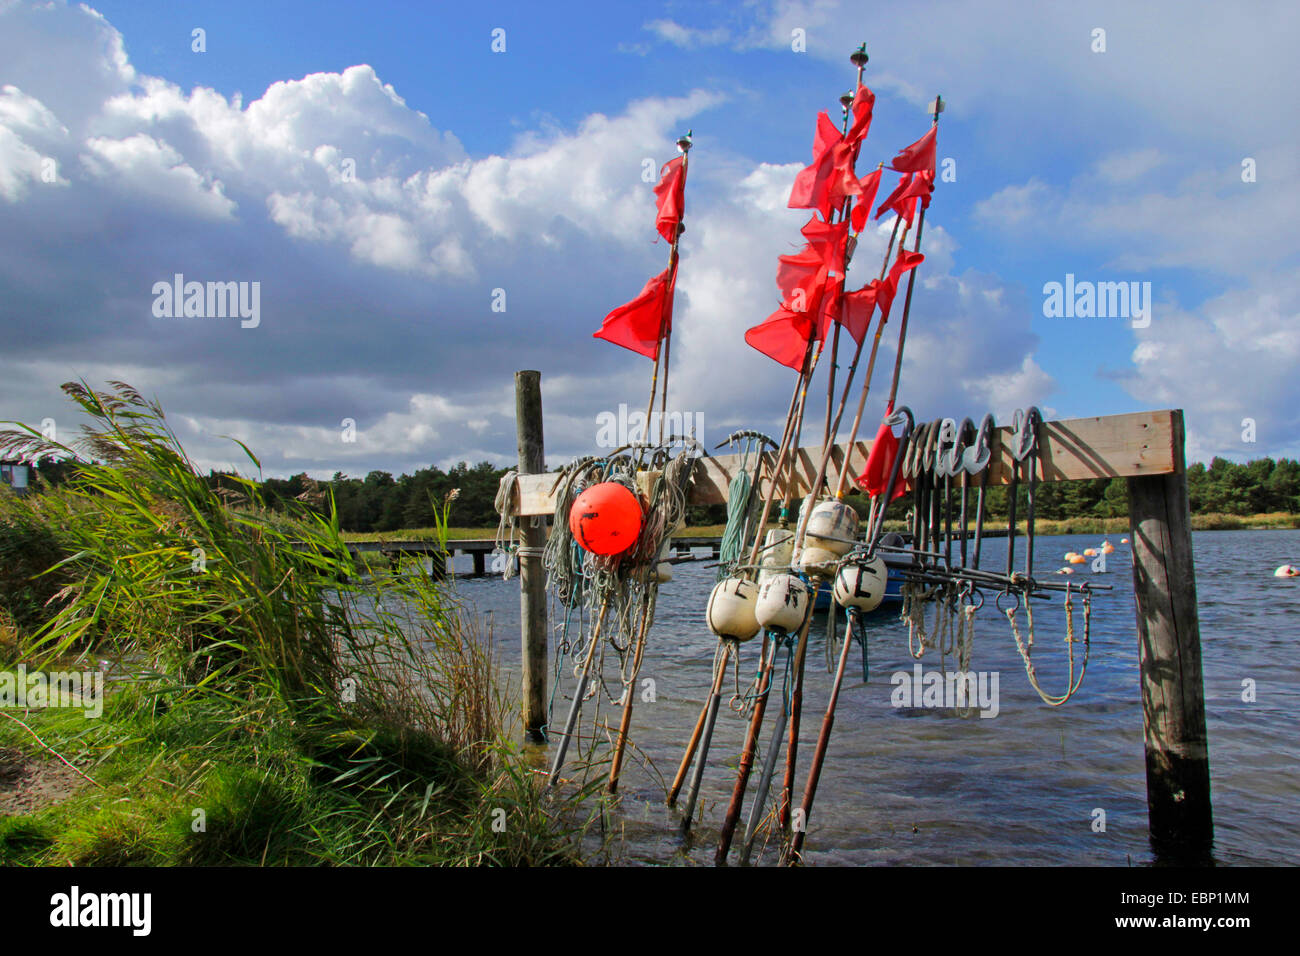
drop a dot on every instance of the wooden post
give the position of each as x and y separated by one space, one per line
532 579
480 563
1169 649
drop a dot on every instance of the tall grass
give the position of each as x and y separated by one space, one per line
319 714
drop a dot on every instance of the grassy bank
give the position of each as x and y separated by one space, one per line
262 706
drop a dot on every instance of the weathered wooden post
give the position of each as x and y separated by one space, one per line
1169 648
532 579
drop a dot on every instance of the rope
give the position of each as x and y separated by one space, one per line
508 525
739 495
1026 646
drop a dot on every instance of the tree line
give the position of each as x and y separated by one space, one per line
381 502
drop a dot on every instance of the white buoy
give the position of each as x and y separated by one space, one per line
832 526
778 550
731 608
783 602
861 584
817 562
1287 571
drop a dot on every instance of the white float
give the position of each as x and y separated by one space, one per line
730 612
861 584
783 602
832 526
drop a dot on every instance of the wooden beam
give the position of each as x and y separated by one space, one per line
1135 445
532 577
1169 656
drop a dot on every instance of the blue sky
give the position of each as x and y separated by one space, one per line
521 170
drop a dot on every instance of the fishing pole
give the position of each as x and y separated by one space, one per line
665 328
937 108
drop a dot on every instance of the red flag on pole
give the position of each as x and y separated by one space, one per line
919 157
870 185
639 324
889 288
902 201
783 337
864 101
880 463
857 310
670 194
799 276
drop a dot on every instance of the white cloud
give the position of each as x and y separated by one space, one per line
148 169
687 37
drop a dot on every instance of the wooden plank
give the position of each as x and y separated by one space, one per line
1113 446
1169 653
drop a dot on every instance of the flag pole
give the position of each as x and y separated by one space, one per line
859 59
823 738
662 348
665 330
936 108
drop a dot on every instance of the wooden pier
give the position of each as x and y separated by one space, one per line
1146 449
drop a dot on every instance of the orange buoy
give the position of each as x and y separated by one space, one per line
606 518
1090 552
1107 547
1123 540
1078 559
1070 555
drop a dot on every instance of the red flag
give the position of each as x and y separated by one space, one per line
858 306
799 277
919 157
783 336
823 184
880 462
829 239
870 185
670 195
639 324
864 101
842 182
902 201
811 188
889 288
825 137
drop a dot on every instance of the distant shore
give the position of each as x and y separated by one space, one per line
1209 522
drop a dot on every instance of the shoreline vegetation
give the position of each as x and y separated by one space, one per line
262 703
1207 522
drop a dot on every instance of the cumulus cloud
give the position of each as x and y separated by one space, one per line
380 245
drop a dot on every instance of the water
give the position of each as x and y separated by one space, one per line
924 787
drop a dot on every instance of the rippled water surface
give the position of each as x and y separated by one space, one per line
923 787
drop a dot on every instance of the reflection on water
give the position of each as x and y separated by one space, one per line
924 787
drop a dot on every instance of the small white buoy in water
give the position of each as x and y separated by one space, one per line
1123 540
1066 571
832 526
1287 571
784 600
731 608
861 584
